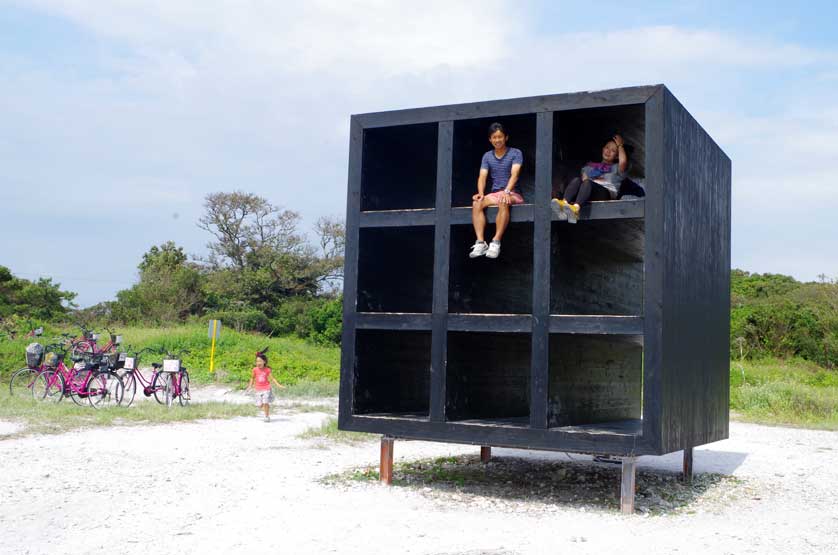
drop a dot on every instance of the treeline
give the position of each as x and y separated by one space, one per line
776 315
24 303
262 274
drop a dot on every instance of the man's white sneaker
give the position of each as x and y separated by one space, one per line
479 248
494 249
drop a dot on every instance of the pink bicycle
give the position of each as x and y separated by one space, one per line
87 346
176 379
93 382
155 385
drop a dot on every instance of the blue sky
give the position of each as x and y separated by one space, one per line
119 117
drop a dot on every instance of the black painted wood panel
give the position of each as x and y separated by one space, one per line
594 379
696 283
597 267
488 376
508 107
483 285
392 372
395 269
399 167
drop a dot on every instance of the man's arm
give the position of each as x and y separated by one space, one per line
481 184
513 180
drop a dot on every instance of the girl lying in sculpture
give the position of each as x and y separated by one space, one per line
607 175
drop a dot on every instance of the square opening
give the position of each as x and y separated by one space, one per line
488 378
392 373
399 167
579 135
501 285
596 382
396 269
596 267
471 141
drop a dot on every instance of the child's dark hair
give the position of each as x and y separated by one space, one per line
497 127
261 354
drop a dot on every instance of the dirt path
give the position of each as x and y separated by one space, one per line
242 485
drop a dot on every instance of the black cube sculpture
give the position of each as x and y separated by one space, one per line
607 337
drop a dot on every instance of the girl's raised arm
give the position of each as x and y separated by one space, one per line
621 151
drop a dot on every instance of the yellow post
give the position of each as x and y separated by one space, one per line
212 350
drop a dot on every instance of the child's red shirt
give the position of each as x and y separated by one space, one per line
261 378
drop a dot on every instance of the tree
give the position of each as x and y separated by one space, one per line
259 256
246 227
41 299
170 288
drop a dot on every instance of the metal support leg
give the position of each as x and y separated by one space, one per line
688 465
485 454
627 485
386 468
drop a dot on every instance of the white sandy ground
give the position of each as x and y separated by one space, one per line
244 486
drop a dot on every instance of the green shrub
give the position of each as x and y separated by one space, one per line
249 319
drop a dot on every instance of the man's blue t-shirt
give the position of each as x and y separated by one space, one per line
500 169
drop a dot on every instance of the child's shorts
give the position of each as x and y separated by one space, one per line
264 397
514 198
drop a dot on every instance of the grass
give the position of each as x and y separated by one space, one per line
308 389
788 392
54 418
294 361
308 407
329 431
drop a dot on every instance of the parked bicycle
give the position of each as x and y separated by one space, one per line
154 385
90 381
87 345
176 379
22 380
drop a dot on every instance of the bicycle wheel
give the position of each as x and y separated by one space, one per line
104 389
184 398
49 386
81 349
77 385
159 386
129 383
21 382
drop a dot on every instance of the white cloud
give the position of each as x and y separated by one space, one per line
304 36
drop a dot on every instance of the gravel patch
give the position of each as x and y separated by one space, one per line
9 428
241 485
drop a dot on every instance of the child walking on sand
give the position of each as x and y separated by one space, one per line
260 382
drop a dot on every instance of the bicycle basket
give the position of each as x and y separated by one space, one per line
117 360
51 360
130 363
171 365
34 354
